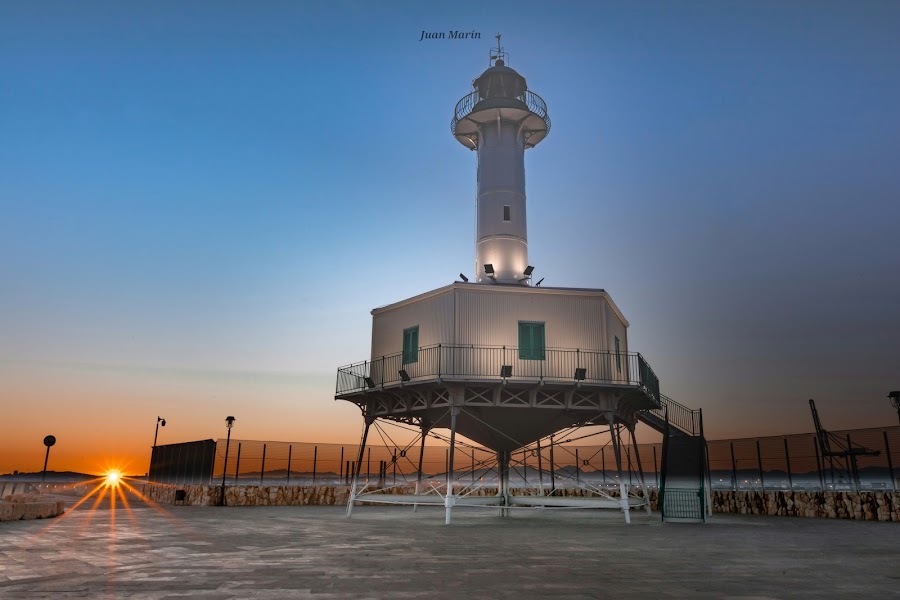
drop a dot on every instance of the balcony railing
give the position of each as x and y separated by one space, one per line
468 102
496 363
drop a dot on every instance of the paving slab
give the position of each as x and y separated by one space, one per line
225 553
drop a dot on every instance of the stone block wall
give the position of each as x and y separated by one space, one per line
16 507
869 506
254 495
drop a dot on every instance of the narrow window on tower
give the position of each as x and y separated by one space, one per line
618 357
531 341
506 213
411 345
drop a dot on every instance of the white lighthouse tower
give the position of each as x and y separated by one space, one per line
500 119
505 364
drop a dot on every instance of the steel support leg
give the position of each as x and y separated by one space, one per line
362 447
623 493
448 500
637 456
419 472
503 484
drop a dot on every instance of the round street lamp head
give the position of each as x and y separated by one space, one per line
49 440
895 399
229 422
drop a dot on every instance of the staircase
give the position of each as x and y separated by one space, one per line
683 479
672 417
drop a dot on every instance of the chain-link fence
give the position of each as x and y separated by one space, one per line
848 460
253 462
867 459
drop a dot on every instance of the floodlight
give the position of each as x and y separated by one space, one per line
505 371
404 376
529 270
463 277
538 284
370 382
489 268
580 374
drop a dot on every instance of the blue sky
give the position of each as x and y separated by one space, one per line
206 199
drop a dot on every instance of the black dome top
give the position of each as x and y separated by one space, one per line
500 81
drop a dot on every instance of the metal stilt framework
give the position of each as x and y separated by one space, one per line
467 487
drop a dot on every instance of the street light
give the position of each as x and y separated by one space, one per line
159 421
895 401
229 423
48 441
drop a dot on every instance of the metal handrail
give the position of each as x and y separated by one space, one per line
467 104
680 416
486 362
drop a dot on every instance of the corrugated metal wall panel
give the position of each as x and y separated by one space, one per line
434 316
490 317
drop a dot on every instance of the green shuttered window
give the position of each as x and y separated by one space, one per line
531 341
410 345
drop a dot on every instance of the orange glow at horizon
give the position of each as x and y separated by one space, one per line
106 418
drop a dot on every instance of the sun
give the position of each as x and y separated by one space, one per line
113 478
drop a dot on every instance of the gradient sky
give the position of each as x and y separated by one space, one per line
201 202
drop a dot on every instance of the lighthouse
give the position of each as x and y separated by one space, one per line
505 364
500 119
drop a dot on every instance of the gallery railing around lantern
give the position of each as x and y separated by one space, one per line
467 104
497 363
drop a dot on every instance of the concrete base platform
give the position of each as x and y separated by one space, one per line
393 553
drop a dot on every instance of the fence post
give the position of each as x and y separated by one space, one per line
540 467
887 451
733 467
762 481
262 467
368 462
315 453
851 463
341 465
787 458
552 468
395 466
655 468
628 461
603 462
819 465
524 466
290 450
473 465
237 466
577 468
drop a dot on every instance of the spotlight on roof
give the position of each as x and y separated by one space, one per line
505 371
529 270
489 268
538 284
370 383
463 277
404 376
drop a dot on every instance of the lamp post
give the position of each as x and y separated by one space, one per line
229 423
159 421
48 441
895 401
153 458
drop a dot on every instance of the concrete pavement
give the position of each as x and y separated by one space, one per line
393 553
